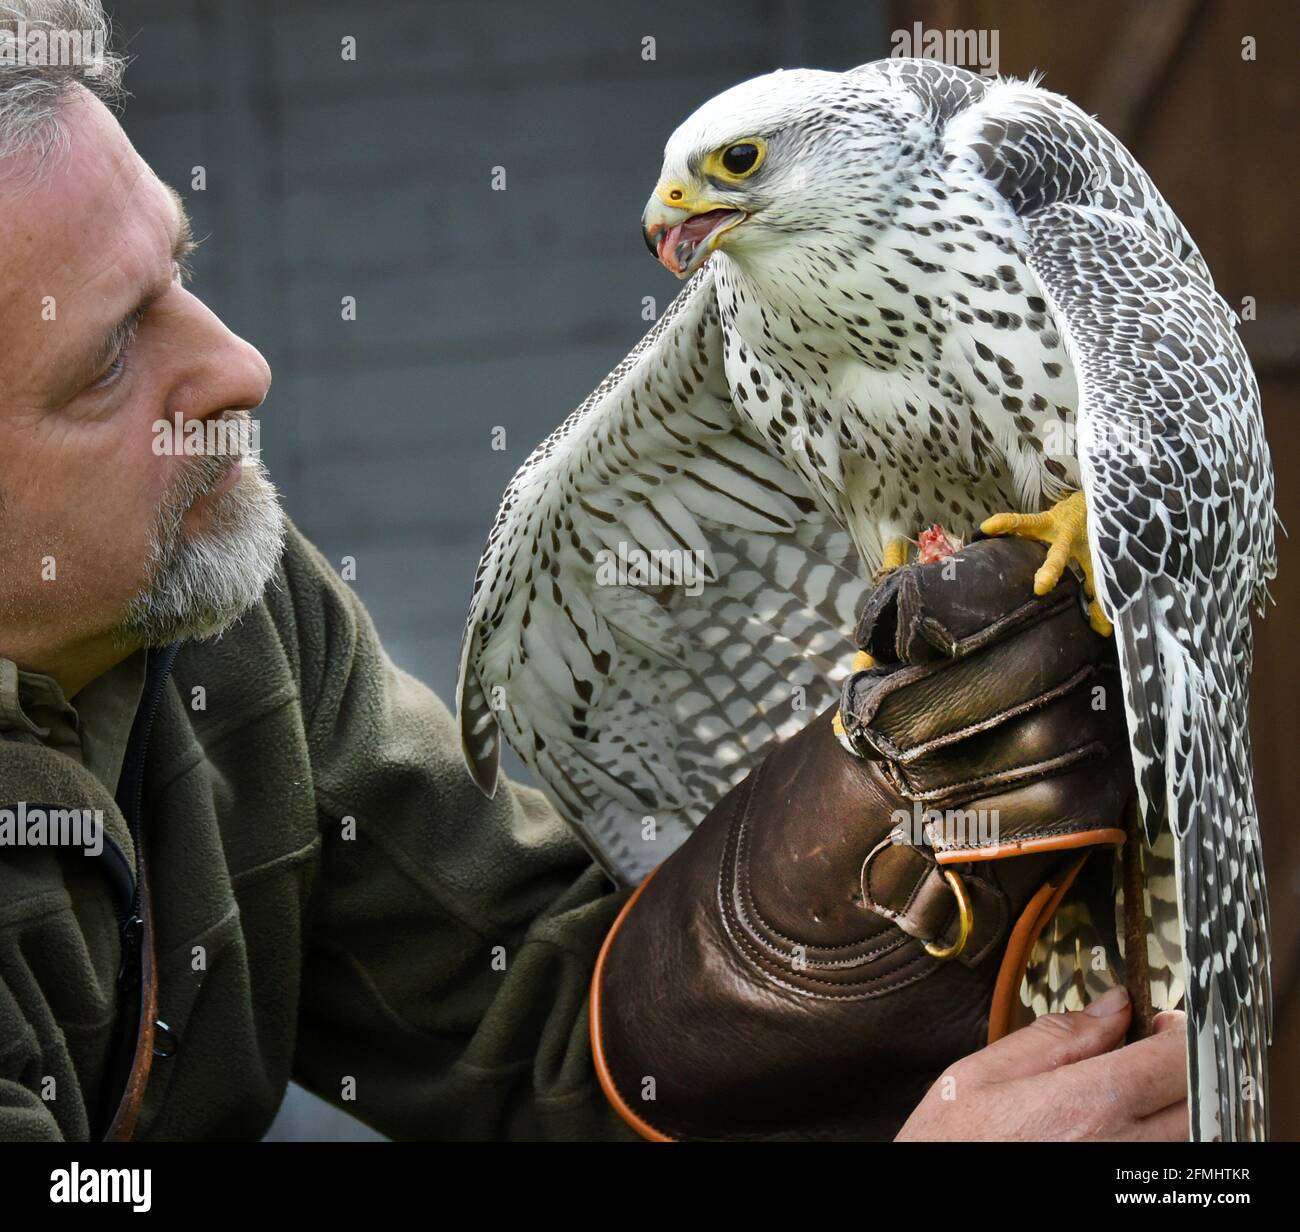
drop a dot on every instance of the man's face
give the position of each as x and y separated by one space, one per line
101 536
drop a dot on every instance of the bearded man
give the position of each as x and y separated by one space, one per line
296 878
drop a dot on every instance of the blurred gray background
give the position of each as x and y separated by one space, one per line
475 309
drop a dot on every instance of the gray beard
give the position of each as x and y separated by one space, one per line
201 582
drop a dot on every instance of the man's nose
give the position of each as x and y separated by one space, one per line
243 376
223 372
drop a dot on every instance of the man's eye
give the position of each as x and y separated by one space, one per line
112 374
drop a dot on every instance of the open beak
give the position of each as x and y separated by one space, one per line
681 237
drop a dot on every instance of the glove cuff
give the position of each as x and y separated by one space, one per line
712 1017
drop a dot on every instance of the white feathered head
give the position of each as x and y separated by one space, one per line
774 160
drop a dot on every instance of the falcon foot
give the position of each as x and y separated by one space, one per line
896 551
1065 528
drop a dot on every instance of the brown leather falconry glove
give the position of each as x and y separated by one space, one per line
844 925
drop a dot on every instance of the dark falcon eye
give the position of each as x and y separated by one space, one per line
740 158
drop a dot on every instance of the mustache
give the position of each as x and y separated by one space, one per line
202 473
208 470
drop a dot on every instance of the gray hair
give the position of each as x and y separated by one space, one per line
47 49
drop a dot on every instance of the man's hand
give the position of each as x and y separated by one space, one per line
1065 1077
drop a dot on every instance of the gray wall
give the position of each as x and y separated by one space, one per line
475 308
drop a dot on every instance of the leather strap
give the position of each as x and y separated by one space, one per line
905 884
1015 958
122 1126
607 1083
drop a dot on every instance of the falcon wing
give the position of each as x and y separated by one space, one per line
639 700
1180 495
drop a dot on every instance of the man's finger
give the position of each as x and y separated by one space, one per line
1053 1041
1168 1125
1169 1020
1132 1082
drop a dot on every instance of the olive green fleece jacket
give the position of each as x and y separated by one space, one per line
334 901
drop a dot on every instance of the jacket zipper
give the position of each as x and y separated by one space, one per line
132 926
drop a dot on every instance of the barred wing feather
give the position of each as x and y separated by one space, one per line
660 599
1180 494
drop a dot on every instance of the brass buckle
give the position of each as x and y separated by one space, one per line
965 921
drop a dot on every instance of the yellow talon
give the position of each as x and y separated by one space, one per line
895 555
1064 528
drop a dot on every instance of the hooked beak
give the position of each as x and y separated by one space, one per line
681 235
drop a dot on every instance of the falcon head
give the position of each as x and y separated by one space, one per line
769 161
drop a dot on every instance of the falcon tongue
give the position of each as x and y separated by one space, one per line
679 243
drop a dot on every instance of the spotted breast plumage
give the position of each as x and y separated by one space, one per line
915 295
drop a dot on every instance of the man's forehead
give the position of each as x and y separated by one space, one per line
96 223
96 199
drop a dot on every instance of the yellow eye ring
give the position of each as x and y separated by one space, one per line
737 160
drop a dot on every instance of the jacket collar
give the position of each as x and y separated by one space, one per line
25 694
